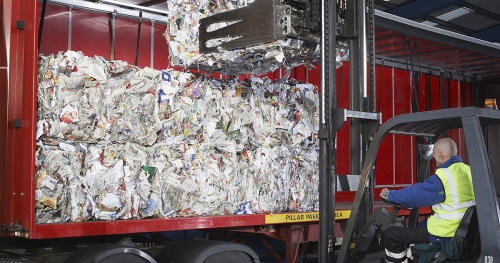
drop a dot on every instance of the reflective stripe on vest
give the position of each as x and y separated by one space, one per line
395 255
450 216
459 195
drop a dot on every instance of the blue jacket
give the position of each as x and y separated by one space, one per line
427 193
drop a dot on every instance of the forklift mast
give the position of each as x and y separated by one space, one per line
351 23
341 21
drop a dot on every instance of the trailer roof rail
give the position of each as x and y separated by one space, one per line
463 56
420 30
121 9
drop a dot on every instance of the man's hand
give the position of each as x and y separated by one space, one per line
385 193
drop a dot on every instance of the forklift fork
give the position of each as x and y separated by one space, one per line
261 22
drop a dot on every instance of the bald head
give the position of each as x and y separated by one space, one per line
444 149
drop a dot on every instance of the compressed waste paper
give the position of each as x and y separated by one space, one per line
182 36
115 141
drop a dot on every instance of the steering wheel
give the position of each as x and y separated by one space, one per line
395 205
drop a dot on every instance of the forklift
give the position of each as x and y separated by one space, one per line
478 235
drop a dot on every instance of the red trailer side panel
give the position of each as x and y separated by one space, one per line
55 30
385 169
343 141
161 51
405 168
5 8
126 41
91 33
143 226
21 49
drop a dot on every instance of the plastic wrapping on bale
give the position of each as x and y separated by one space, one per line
118 142
182 37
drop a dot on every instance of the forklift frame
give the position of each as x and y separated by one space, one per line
433 124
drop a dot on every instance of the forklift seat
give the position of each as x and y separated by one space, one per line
467 237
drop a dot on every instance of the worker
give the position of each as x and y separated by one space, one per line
449 191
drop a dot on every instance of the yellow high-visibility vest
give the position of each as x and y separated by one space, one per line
459 195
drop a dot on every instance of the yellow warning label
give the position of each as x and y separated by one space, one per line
303 217
342 214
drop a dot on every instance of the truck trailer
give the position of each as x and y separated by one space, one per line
112 31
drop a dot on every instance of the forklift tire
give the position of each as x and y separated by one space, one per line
110 253
207 251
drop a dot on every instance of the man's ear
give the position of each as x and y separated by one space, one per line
441 154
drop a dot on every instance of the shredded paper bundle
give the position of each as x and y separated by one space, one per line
115 141
182 36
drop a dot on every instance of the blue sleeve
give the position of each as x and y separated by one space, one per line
428 193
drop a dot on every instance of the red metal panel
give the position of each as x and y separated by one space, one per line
464 91
8 12
437 94
97 228
315 75
126 41
459 92
385 163
55 30
422 92
5 7
161 51
91 34
270 75
343 141
21 104
275 75
405 149
466 95
299 73
294 236
453 101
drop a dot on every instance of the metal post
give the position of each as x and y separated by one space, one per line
42 19
113 34
70 25
307 74
442 87
152 43
371 53
493 146
324 180
138 39
358 91
484 190
327 154
358 83
428 92
332 102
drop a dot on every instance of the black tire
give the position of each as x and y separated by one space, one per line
123 258
207 251
109 253
228 257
